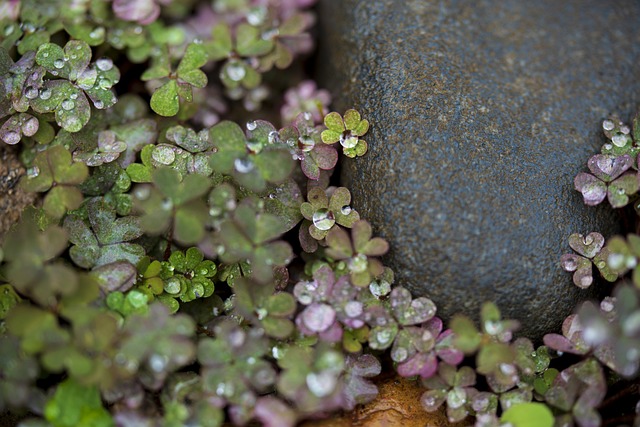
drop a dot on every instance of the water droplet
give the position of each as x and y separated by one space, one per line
224 389
456 398
383 337
142 193
358 263
96 34
306 143
236 72
58 63
380 288
346 210
68 104
33 172
11 137
321 384
45 54
619 140
625 129
274 137
399 354
164 155
256 16
608 125
99 104
157 363
348 141
30 127
608 146
252 125
138 30
607 304
307 115
492 328
73 96
9 29
45 94
270 34
167 204
104 64
31 92
172 285
105 83
353 308
323 219
243 165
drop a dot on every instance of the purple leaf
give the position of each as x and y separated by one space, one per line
117 276
272 412
318 317
588 246
423 364
608 167
593 190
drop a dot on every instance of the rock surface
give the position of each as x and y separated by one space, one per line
482 113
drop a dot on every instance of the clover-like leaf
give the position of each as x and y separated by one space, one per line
410 311
54 171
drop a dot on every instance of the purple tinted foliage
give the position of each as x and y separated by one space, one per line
571 340
607 179
358 390
579 390
417 350
143 12
588 248
272 412
305 98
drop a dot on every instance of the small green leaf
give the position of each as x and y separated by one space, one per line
334 122
528 415
164 100
74 405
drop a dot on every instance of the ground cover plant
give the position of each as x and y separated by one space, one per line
192 260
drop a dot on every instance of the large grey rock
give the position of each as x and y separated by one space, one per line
483 112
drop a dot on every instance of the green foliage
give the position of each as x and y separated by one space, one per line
183 299
74 404
54 172
528 415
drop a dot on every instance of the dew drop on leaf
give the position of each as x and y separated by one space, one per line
321 384
346 210
164 155
236 72
358 263
243 165
58 63
323 219
99 104
45 94
353 308
96 34
31 92
608 125
252 125
619 140
104 64
172 285
33 172
68 104
380 288
158 363
399 354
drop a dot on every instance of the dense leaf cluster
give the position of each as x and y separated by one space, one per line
182 269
